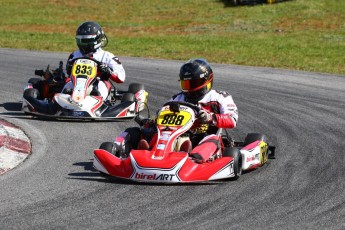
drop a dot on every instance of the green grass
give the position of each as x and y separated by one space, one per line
299 34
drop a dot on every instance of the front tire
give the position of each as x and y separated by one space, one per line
110 147
235 153
31 93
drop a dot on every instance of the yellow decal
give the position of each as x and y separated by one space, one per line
263 152
169 118
202 128
86 69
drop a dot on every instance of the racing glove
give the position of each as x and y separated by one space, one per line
205 117
105 72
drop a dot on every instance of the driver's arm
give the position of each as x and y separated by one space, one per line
117 73
228 113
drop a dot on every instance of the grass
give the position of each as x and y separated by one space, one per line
298 34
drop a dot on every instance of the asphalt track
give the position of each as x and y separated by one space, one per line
302 113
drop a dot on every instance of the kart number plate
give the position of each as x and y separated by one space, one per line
168 118
87 69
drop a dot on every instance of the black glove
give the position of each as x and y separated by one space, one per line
142 121
205 117
105 72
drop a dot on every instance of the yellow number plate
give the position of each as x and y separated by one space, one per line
88 70
168 118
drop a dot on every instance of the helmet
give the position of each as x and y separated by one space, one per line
90 37
196 79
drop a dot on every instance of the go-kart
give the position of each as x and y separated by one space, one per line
167 162
84 101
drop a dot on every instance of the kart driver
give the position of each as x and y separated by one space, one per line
90 39
218 111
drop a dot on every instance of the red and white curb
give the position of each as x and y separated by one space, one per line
15 146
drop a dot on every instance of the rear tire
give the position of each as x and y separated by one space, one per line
34 81
128 97
135 87
251 137
235 153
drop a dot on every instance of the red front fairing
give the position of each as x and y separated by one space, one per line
192 171
174 167
113 165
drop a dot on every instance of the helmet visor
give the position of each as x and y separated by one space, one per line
188 85
85 40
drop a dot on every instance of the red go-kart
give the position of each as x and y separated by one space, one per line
166 162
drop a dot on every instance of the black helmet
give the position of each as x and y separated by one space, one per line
196 79
90 37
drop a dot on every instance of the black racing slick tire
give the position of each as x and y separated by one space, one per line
128 97
135 87
31 93
110 147
235 153
251 137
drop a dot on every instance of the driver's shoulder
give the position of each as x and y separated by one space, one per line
219 94
178 97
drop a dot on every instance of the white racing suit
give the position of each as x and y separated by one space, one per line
225 115
221 104
118 74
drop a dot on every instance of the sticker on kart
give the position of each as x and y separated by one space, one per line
84 67
168 118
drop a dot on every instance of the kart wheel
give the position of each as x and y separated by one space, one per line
135 87
110 147
236 155
31 93
127 97
251 137
34 82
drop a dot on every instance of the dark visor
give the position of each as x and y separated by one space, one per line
191 84
85 41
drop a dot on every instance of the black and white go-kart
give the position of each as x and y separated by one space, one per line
84 101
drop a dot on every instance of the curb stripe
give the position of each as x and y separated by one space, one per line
15 144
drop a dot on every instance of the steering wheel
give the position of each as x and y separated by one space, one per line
175 106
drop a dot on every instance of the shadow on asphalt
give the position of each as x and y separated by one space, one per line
12 106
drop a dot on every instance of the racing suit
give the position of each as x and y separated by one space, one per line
116 73
204 142
223 113
219 103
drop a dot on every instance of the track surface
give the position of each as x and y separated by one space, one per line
302 114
